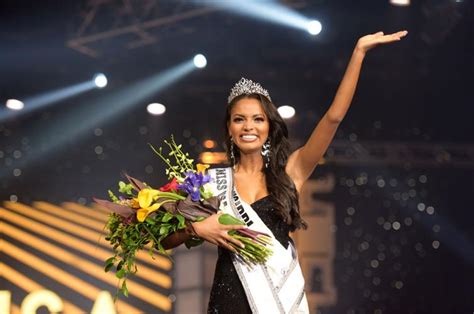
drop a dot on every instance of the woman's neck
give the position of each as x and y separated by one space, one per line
249 163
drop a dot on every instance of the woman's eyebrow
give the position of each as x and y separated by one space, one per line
255 115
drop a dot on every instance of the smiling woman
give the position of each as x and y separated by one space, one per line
248 125
253 123
261 187
258 148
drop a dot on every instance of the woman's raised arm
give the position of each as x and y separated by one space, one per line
302 162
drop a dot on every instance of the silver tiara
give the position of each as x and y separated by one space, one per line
247 87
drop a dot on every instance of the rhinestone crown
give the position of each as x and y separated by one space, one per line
247 87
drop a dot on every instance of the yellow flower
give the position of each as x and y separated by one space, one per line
201 167
145 199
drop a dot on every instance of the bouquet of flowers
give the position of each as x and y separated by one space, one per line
142 217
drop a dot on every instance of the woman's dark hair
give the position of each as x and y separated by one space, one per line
279 184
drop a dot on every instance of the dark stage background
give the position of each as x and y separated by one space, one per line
402 160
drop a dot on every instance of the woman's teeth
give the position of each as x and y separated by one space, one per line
248 137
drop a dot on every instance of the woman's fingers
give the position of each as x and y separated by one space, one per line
399 35
226 245
392 37
234 227
236 242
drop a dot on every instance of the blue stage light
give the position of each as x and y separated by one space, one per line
14 104
100 80
200 61
314 27
271 11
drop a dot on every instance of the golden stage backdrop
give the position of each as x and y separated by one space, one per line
53 256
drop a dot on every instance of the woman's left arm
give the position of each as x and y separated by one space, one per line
302 162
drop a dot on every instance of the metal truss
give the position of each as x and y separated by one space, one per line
406 154
128 21
136 19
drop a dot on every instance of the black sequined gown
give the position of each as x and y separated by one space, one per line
227 293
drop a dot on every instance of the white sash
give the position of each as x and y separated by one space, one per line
277 286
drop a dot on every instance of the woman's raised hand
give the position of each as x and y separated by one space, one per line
211 230
368 42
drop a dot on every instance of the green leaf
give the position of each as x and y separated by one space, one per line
166 217
181 222
124 288
227 219
109 263
120 274
164 229
119 265
150 221
160 248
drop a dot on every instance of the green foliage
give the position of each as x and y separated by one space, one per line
182 160
127 235
112 196
128 238
126 188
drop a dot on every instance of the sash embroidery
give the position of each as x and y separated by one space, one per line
297 303
288 273
273 289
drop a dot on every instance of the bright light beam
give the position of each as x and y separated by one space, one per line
82 119
49 98
46 99
267 10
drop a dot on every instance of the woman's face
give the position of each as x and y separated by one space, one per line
248 125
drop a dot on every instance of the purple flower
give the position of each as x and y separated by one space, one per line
193 183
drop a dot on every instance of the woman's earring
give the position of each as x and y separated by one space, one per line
266 151
232 156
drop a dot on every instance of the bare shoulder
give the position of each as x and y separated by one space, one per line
293 171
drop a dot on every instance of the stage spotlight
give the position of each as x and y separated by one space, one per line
401 3
80 120
14 104
314 27
100 80
286 112
200 61
156 109
268 10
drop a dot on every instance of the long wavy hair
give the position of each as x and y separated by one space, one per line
279 184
